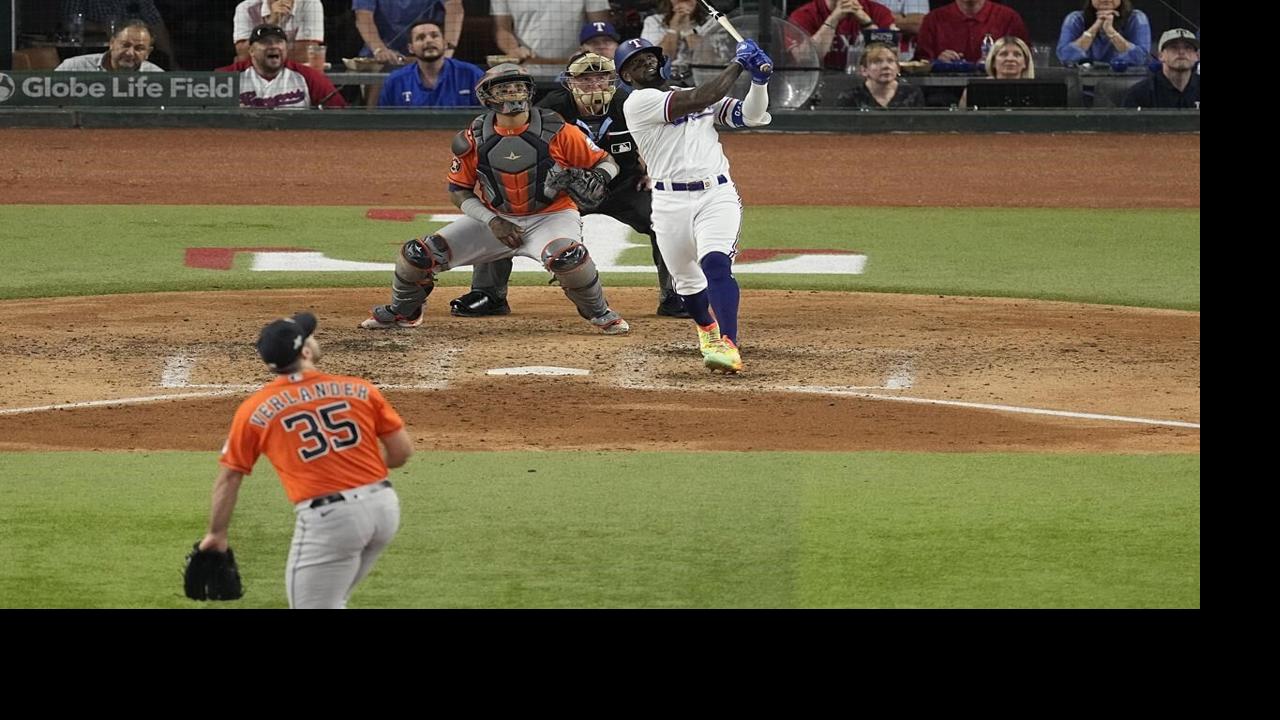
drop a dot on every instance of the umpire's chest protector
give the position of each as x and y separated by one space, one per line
513 168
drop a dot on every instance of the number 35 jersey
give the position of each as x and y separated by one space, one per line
319 431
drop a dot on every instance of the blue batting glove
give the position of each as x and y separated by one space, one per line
759 76
743 53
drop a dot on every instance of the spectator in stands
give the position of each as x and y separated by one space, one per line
268 79
599 37
880 87
1010 59
385 25
907 15
1177 84
302 20
677 27
832 24
954 32
434 80
127 52
1105 31
106 16
542 32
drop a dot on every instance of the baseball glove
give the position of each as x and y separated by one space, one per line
586 187
212 575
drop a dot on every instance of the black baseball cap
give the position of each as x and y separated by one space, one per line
263 32
281 341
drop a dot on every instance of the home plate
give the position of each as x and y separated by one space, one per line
537 370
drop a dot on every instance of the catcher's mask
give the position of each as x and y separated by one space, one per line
592 80
506 89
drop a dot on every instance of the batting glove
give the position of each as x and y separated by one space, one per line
759 60
744 52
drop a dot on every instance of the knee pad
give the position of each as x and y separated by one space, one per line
717 266
563 255
570 262
421 258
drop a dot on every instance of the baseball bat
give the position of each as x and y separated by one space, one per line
733 31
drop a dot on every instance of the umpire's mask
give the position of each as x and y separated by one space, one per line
592 80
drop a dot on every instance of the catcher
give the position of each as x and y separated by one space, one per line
512 170
321 434
591 100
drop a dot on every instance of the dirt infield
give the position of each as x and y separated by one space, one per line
808 354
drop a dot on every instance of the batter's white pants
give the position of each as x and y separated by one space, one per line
690 224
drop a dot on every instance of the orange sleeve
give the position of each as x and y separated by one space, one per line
462 169
244 442
386 420
571 148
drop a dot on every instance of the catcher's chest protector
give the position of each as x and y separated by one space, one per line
513 168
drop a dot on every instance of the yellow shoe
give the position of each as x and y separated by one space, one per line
721 355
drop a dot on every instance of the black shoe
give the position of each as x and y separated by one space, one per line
672 306
478 304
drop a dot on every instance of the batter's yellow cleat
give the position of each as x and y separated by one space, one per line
719 353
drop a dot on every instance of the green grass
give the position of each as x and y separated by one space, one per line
1148 258
518 530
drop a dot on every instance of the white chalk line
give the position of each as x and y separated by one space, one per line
986 406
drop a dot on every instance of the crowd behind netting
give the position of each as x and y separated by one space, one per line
843 54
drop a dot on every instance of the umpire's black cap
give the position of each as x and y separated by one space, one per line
281 341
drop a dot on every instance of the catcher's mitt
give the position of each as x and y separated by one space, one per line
212 575
586 186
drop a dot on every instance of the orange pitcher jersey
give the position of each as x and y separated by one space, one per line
319 431
568 146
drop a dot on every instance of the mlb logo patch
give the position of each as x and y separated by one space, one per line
620 148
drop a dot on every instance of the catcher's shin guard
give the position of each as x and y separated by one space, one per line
415 274
576 271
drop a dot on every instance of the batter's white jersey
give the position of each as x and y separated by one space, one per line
683 148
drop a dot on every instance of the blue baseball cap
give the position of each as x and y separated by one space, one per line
596 29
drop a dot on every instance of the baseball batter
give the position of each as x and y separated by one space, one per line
321 434
515 158
696 209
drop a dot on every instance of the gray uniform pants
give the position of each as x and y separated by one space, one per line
335 545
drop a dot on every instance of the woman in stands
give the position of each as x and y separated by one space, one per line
1105 31
880 87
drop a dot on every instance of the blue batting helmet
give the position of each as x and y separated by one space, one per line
627 48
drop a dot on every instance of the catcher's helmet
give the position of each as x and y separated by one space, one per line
628 48
592 81
506 89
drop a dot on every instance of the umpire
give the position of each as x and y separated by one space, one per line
591 100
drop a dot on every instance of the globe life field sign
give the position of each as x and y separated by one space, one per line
127 89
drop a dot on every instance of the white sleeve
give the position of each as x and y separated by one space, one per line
310 19
751 112
597 5
755 106
653 30
916 6
243 25
499 7
647 106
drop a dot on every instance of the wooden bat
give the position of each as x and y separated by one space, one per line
733 31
